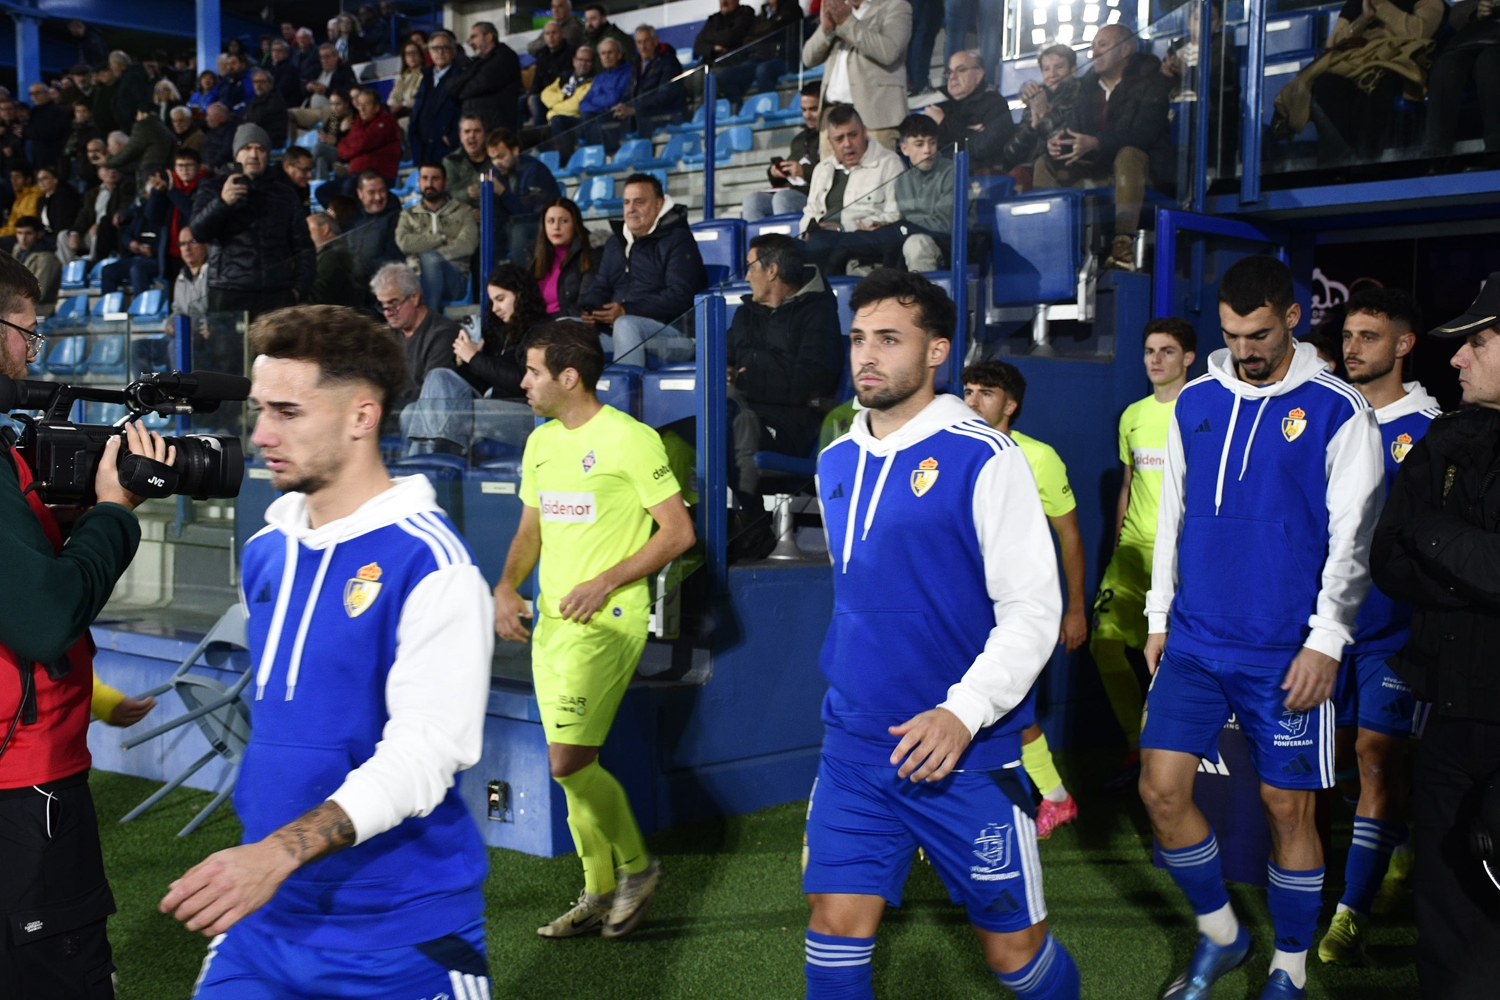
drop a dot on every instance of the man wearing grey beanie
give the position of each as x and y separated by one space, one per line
260 256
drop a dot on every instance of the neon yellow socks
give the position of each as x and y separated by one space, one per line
1121 686
1036 757
604 828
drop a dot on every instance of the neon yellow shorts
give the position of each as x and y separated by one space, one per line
580 673
1120 608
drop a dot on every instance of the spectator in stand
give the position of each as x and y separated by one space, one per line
562 99
784 352
170 209
613 85
284 72
1180 67
926 21
83 131
43 264
268 108
375 30
149 149
260 256
338 282
864 44
102 98
426 334
372 142
165 97
432 131
86 170
490 86
523 189
234 86
116 142
569 27
94 234
57 205
771 41
48 127
305 58
333 78
649 272
1048 105
438 235
562 262
203 95
185 72
24 197
1470 53
185 130
655 100
217 148
852 189
465 165
296 172
400 27
371 233
789 176
723 33
408 81
974 117
134 87
190 290
597 27
138 250
82 76
554 60
1118 131
339 118
90 42
345 38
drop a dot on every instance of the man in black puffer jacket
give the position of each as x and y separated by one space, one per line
1438 546
648 275
260 256
784 353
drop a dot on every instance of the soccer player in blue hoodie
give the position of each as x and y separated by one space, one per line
1268 502
361 870
946 608
1379 333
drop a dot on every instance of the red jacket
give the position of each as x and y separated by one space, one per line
372 145
56 745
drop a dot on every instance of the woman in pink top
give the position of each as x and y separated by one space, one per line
562 261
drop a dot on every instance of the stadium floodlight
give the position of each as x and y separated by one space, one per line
1032 25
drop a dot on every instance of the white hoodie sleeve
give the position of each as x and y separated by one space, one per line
1168 528
1020 569
436 694
1356 473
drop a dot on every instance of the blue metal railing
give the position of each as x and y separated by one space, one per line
710 123
958 260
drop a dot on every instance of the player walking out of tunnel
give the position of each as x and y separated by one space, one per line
595 482
361 871
1268 502
1379 332
946 607
1119 637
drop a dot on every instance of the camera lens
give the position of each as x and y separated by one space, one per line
210 465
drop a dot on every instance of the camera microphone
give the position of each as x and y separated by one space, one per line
208 387
25 395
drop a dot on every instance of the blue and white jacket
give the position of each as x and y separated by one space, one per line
1383 624
1268 500
945 587
371 637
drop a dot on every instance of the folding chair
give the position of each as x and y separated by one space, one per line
217 709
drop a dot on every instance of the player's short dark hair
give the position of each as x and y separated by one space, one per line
843 115
16 283
433 165
650 179
811 89
29 222
188 153
345 344
918 127
1058 50
1179 330
1252 282
568 343
1392 303
1000 375
783 253
936 314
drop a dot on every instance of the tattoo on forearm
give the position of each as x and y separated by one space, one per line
316 834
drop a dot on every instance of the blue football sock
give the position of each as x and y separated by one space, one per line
1050 975
1369 856
838 968
1294 899
1198 873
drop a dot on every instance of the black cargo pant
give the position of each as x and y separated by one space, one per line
53 895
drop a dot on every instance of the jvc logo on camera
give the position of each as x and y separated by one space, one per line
156 481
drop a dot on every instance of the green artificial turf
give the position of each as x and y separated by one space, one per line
728 921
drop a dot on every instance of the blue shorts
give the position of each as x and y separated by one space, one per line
978 829
1371 696
1192 697
247 964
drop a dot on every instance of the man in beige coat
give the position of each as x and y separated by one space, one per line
864 43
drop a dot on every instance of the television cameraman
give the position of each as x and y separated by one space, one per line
1438 546
53 892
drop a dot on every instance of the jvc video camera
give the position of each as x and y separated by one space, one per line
64 456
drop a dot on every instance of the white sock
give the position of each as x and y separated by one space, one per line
1058 794
1342 908
1221 926
1294 964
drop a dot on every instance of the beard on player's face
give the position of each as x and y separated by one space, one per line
1371 370
899 386
315 476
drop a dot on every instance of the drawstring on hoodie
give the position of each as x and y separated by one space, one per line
1234 416
859 481
278 618
294 669
875 499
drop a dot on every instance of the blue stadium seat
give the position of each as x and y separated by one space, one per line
721 242
620 387
632 152
492 514
734 293
312 192
721 114
307 140
106 306
677 147
72 311
549 158
583 156
66 355
75 275
1037 252
592 190
96 273
445 473
786 225
842 287
783 116
151 354
408 184
150 304
755 108
735 139
107 356
669 394
808 75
